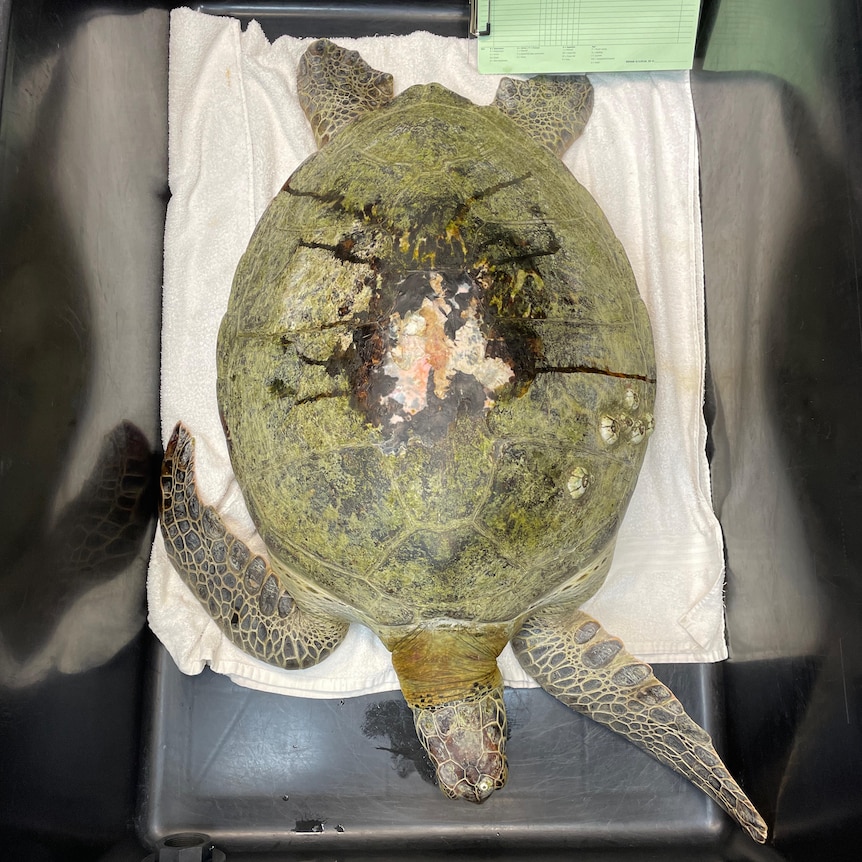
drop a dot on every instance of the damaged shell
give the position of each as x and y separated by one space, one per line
427 348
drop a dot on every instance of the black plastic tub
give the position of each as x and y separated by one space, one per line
108 752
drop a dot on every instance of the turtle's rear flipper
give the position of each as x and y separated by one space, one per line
571 656
239 590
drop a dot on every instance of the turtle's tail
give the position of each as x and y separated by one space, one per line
451 682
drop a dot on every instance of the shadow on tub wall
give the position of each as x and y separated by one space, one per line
79 294
82 199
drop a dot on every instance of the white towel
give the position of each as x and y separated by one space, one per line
237 132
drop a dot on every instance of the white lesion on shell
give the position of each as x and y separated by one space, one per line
609 430
638 430
623 426
421 351
649 423
624 421
578 482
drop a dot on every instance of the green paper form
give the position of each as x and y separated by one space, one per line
529 36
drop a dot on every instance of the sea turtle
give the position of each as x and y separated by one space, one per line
436 379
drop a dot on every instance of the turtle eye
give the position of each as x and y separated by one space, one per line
485 786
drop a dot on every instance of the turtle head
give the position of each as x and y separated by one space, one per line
466 741
451 682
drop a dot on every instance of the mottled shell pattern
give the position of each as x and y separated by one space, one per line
436 373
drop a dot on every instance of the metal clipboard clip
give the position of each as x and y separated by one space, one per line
474 18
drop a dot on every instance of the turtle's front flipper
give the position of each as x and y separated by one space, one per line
335 86
553 109
239 589
571 656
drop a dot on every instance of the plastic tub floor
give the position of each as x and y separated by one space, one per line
258 771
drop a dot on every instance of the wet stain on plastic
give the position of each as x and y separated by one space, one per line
394 721
310 825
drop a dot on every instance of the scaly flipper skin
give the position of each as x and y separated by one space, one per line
571 656
336 85
240 590
553 109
